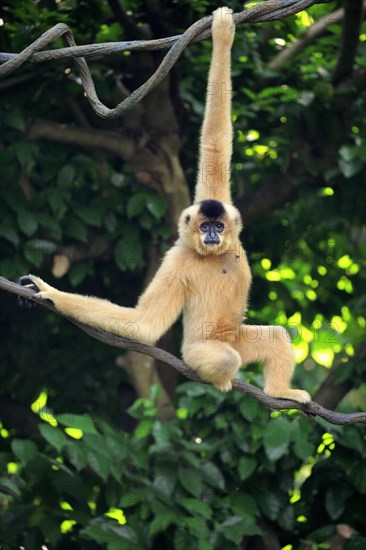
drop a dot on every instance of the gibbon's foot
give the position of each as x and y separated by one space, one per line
224 386
220 380
223 27
297 395
34 283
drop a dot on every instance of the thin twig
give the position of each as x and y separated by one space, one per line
312 408
266 11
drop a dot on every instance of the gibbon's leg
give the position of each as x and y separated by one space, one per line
215 362
272 345
213 179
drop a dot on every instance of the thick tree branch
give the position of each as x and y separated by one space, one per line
272 195
114 142
354 12
313 409
311 34
266 11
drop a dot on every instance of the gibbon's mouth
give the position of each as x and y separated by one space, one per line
211 243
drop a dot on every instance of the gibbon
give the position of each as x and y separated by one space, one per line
206 273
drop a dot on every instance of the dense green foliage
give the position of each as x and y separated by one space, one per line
215 475
83 463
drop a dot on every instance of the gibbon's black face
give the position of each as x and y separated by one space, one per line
210 227
213 210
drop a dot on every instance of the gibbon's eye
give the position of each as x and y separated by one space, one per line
204 227
219 227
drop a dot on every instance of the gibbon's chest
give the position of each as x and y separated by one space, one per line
215 279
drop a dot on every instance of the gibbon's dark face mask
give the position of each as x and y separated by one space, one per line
212 230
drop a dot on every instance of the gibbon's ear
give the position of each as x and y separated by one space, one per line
213 180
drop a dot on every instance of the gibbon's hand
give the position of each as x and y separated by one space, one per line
43 290
223 27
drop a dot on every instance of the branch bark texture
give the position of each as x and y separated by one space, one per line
266 11
312 408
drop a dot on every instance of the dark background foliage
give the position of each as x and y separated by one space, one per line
101 449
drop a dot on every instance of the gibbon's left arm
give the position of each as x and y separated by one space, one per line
157 309
213 179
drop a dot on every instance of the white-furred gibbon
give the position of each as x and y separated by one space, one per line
206 273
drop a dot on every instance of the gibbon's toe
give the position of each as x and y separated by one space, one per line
224 386
297 395
27 281
42 290
301 396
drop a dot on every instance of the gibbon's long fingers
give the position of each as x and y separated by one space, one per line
213 181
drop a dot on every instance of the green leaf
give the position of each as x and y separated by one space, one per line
162 521
130 499
191 480
99 463
44 246
334 505
25 152
93 214
116 446
128 253
243 504
348 152
246 466
15 119
270 504
76 454
24 449
301 444
78 272
277 437
352 438
27 222
81 422
358 476
66 176
35 250
105 531
234 529
351 168
51 224
136 204
287 518
57 199
182 540
165 479
196 507
9 233
76 230
213 476
53 436
156 205
143 428
197 527
161 432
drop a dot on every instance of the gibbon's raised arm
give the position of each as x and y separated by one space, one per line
157 309
213 181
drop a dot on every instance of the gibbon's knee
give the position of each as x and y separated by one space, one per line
214 362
